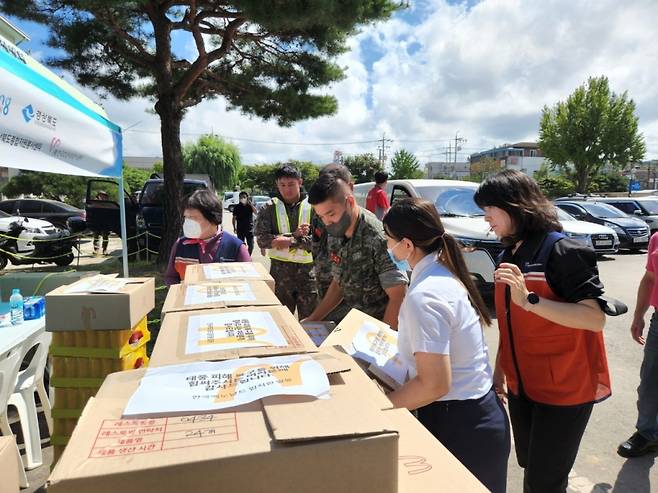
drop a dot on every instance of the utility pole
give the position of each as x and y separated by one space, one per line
382 150
458 140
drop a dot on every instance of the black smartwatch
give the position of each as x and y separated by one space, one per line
532 298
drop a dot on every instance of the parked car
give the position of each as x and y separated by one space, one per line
633 233
259 201
646 208
231 199
151 207
602 239
52 211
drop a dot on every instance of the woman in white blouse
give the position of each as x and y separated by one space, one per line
441 342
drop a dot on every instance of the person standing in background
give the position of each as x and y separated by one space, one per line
376 200
243 220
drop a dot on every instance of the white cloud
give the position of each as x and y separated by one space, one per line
485 71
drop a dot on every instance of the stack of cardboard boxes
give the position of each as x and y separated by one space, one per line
352 441
94 335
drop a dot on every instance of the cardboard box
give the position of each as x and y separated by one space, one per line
425 465
344 335
228 271
100 311
175 344
226 294
38 283
279 444
10 465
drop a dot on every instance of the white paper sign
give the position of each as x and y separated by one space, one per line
99 284
232 331
208 292
229 270
379 346
208 386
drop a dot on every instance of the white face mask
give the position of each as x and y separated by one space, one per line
191 228
243 201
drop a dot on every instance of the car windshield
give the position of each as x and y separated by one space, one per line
564 215
602 211
650 205
153 194
453 201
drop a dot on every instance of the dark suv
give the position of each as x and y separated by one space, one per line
644 208
633 233
151 213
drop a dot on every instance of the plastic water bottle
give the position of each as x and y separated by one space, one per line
16 307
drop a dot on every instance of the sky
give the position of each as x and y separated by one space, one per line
480 71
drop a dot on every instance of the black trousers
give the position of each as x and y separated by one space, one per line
546 439
248 239
476 432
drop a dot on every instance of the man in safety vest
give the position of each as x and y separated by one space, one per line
283 226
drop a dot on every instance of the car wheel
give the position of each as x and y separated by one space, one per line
64 261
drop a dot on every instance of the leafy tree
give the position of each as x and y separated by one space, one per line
215 157
363 167
594 126
609 182
405 166
555 186
267 59
259 178
483 168
134 178
66 188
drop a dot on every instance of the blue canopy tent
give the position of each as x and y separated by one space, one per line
48 125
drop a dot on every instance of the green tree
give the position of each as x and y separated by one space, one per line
213 156
363 167
405 166
267 59
483 168
257 178
594 126
66 188
555 186
134 178
609 182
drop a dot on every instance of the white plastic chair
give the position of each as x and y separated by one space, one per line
28 382
10 364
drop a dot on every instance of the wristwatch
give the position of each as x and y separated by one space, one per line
532 298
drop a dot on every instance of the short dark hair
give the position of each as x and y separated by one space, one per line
520 196
381 177
327 186
340 170
207 203
243 194
287 171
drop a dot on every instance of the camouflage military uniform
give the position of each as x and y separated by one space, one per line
323 268
363 268
295 283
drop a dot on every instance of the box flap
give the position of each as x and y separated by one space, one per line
218 294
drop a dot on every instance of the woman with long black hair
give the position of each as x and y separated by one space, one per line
551 354
442 344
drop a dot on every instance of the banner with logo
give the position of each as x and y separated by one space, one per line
48 125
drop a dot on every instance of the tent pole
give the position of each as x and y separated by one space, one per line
124 234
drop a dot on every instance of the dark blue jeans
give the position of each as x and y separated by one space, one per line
647 392
476 432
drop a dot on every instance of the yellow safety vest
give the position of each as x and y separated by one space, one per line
295 255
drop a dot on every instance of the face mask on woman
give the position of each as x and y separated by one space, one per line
402 265
243 201
191 228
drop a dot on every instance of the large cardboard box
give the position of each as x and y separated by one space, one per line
279 444
425 465
389 370
179 340
10 465
119 310
228 271
220 294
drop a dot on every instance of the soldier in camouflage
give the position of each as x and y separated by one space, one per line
321 261
364 276
283 226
